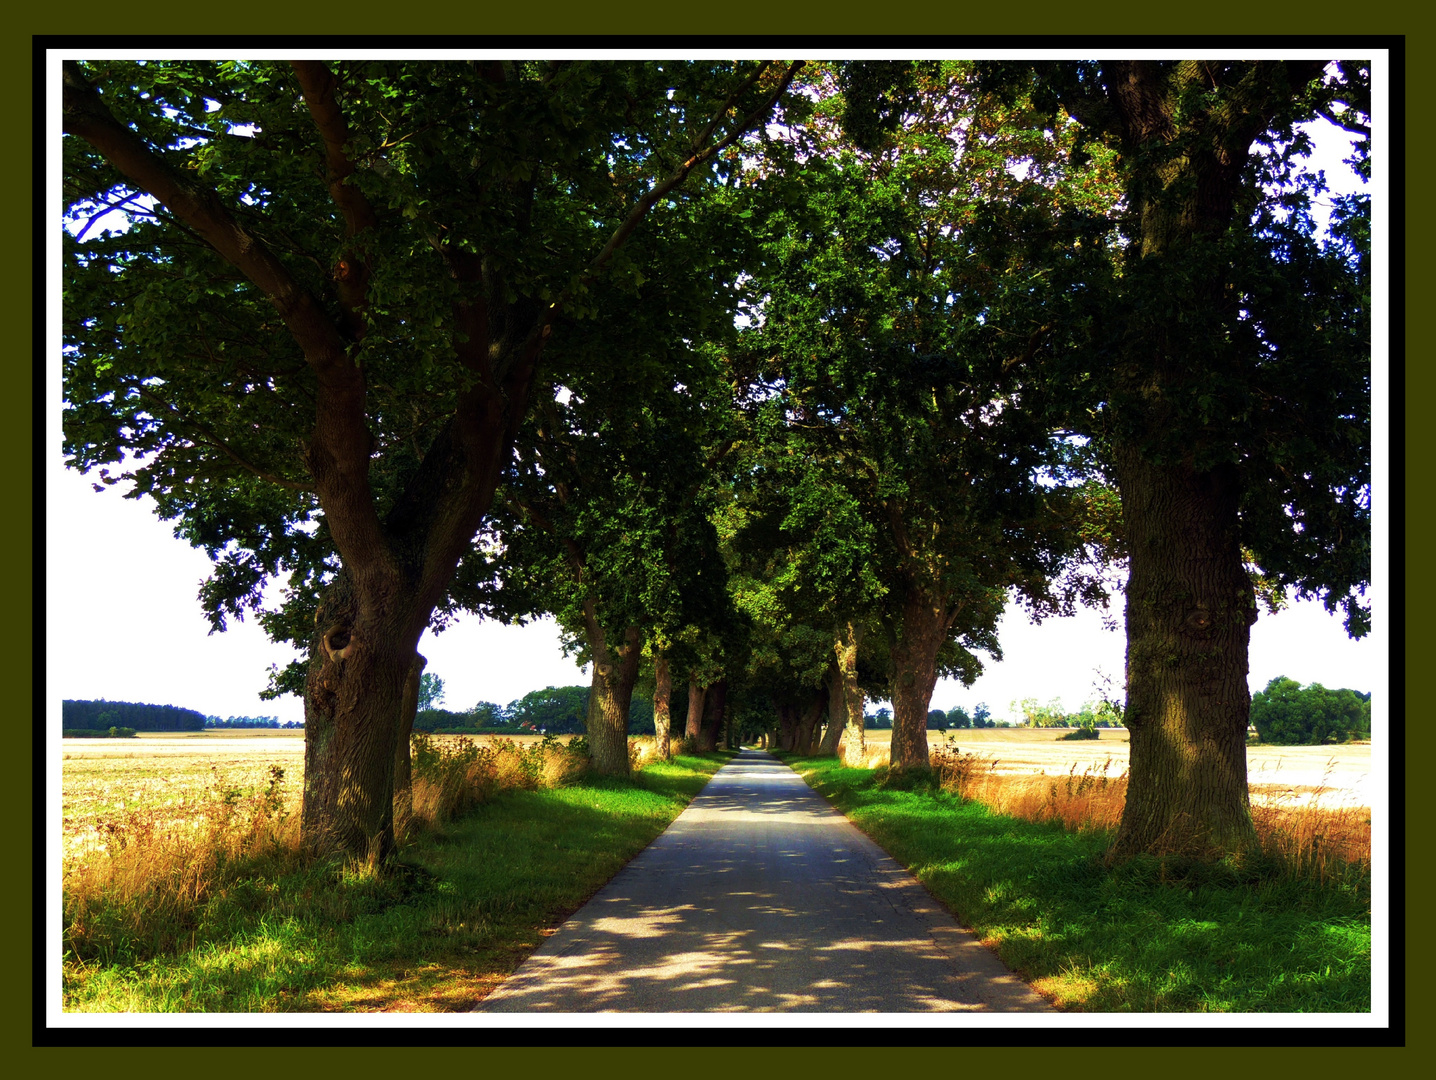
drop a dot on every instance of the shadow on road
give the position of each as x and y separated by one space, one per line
761 897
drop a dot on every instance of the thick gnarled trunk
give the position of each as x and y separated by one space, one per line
787 726
837 714
403 750
662 692
807 726
914 663
715 701
615 670
1190 606
846 651
359 665
694 723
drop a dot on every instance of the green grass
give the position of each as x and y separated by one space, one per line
470 901
1147 936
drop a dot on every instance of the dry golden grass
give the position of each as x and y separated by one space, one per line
145 872
1314 840
1092 799
153 833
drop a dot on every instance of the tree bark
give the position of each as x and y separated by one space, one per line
403 756
714 713
846 650
1190 602
662 690
615 670
694 725
808 723
787 726
914 663
1190 606
837 713
359 664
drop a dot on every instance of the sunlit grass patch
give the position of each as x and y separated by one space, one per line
1150 935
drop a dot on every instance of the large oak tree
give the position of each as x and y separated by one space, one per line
320 331
1225 380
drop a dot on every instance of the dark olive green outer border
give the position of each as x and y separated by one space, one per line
824 23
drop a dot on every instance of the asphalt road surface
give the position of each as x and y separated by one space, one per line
761 897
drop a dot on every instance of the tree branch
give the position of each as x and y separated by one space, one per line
351 275
1345 125
317 83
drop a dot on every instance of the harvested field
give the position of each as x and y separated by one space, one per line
1291 775
163 778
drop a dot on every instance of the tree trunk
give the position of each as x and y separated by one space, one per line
837 713
403 758
1190 606
1190 602
663 688
359 664
846 649
694 725
787 726
808 723
714 713
615 670
914 664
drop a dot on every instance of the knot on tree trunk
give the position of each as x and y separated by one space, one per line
338 641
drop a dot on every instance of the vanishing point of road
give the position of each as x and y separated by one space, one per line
761 897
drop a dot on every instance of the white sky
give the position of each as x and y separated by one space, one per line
125 623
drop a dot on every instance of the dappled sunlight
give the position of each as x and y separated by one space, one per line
760 897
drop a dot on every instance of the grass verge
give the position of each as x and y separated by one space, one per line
1152 935
471 899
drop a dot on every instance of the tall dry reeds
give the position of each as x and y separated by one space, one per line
144 885
451 775
1314 842
1092 799
156 878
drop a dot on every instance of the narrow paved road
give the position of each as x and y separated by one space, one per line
761 897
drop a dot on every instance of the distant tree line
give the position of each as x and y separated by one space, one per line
102 715
250 722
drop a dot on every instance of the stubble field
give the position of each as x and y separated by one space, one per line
1294 775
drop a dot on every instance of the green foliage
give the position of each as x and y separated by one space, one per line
1035 715
435 720
431 691
904 284
1227 335
557 709
957 717
509 188
248 722
1287 714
